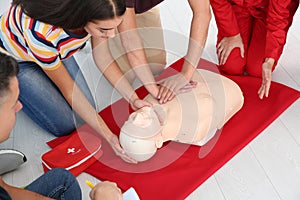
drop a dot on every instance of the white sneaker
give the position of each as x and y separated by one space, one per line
10 159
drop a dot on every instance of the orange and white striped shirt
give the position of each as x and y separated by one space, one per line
28 39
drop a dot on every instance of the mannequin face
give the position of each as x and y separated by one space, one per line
141 134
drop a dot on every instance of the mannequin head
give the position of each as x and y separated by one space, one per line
140 135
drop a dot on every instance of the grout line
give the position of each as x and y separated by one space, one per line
265 172
291 77
219 186
290 132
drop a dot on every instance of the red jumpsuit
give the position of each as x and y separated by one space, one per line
263 25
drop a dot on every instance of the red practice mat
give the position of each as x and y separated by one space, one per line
178 169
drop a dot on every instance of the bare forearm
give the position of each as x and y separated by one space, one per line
78 101
111 70
139 63
17 193
135 52
87 112
115 76
198 35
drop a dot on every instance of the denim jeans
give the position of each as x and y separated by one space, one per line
57 184
44 103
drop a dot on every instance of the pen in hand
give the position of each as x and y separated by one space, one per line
89 184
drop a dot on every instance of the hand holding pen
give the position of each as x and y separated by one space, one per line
105 190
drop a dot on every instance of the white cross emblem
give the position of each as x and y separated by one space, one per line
71 150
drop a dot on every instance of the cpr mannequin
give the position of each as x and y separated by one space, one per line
192 117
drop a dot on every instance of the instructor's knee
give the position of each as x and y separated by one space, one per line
235 64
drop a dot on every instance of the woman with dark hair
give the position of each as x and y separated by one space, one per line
43 35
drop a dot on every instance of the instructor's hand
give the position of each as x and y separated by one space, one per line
266 78
226 45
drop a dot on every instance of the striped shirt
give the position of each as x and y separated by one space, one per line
28 39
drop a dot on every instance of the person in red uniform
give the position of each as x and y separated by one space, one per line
251 36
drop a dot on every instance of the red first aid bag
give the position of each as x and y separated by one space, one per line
75 154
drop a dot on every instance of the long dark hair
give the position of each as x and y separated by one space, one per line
9 68
71 14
